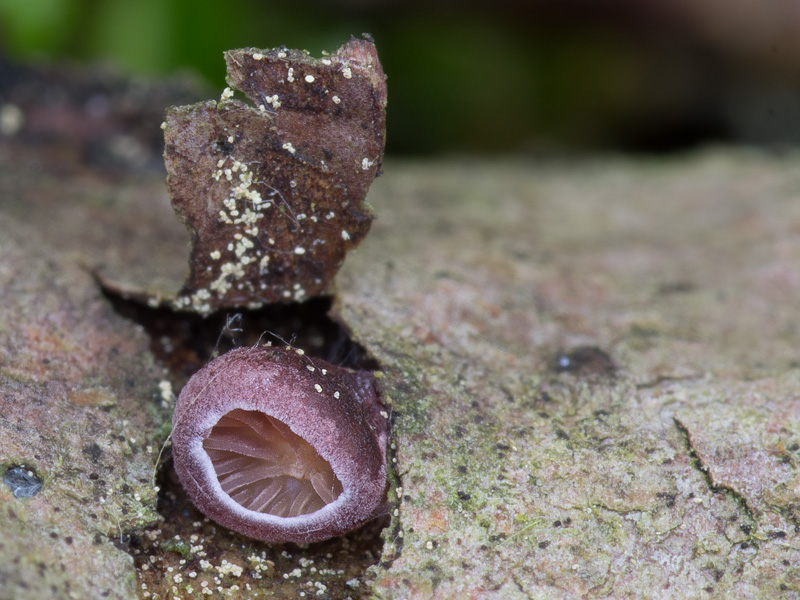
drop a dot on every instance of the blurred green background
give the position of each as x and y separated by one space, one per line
514 77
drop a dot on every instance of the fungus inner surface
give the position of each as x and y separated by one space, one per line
267 468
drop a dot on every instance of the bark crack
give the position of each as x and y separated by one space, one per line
705 471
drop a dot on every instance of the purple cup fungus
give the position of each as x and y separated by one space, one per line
282 447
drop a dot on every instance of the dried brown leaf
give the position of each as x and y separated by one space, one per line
273 194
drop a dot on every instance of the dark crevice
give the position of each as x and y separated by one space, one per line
185 342
394 526
703 469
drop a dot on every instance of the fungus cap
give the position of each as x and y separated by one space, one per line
281 447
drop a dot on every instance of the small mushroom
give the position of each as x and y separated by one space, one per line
282 447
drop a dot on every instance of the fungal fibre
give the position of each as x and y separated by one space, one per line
281 447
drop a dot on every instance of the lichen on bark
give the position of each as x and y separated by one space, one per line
669 475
